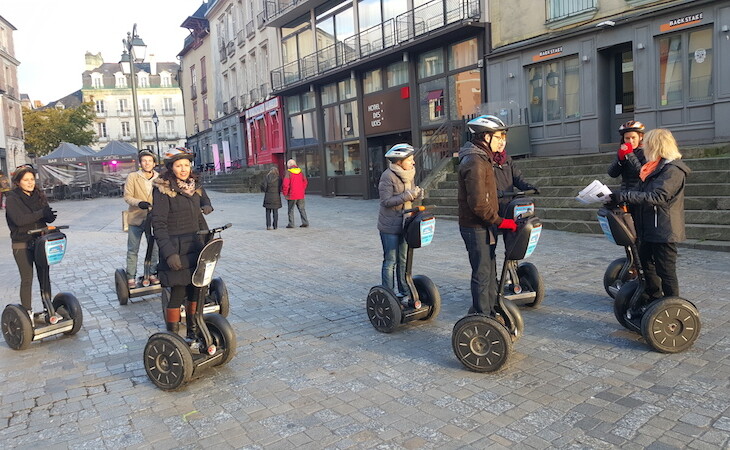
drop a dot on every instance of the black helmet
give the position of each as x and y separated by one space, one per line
632 125
176 153
399 152
146 153
486 124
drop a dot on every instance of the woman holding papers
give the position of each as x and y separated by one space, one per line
659 216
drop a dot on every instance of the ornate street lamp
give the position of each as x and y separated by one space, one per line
156 121
132 42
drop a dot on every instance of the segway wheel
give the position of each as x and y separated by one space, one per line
610 277
168 361
671 325
17 328
218 294
224 338
68 306
429 295
120 282
531 279
383 309
481 343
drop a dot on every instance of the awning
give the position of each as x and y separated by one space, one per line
435 95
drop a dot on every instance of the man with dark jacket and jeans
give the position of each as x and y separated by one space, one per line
479 209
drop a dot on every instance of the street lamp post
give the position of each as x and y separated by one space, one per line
156 121
133 40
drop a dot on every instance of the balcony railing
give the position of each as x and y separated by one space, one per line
562 9
224 110
264 89
255 95
244 101
261 19
231 48
406 27
168 112
233 103
203 85
193 92
240 37
250 29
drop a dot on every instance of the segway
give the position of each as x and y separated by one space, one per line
144 285
383 307
668 324
524 284
483 343
620 271
61 315
171 360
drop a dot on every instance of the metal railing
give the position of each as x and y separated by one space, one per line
405 27
231 48
261 19
193 92
429 156
240 37
561 9
203 85
250 29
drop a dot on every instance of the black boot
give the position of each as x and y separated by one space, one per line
173 326
172 319
190 321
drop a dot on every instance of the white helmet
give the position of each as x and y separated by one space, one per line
486 124
399 152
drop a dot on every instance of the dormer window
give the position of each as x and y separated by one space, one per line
96 81
165 79
120 80
143 79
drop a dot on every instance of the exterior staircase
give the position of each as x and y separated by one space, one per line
247 179
707 195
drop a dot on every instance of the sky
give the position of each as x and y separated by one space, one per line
52 37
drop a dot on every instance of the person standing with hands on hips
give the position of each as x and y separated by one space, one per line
659 216
138 195
479 209
27 209
396 191
180 203
294 186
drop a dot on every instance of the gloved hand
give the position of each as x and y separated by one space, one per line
536 189
207 209
144 205
419 192
409 195
624 150
508 224
173 261
49 215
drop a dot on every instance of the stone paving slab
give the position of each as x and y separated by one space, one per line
311 372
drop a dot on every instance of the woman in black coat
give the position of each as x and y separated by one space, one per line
177 216
660 212
271 187
27 209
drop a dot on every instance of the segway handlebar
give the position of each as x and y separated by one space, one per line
417 208
47 229
216 230
503 194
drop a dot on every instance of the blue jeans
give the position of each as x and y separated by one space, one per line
395 252
483 268
134 237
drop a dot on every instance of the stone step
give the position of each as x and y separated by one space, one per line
697 165
707 176
691 190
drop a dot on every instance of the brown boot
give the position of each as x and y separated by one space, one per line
172 319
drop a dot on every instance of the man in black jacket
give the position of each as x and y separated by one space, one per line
479 209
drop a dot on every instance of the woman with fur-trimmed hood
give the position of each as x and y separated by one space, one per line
177 215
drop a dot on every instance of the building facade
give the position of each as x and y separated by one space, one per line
581 68
108 86
12 147
359 76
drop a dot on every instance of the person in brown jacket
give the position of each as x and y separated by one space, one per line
138 195
479 209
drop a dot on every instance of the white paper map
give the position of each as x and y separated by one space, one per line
593 193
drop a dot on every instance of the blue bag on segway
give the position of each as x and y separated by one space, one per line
419 229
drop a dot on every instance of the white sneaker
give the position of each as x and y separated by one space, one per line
30 313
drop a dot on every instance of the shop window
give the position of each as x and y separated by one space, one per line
554 90
687 70
332 128
349 120
430 64
372 81
329 94
463 54
343 159
465 93
347 89
397 74
670 71
700 65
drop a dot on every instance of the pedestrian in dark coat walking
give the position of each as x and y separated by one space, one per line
271 187
660 212
177 215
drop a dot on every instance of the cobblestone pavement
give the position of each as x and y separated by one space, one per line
311 371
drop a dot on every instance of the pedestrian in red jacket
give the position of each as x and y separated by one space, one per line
295 183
